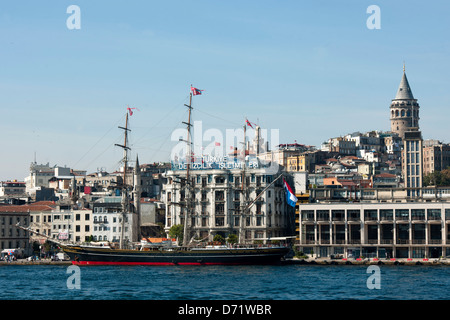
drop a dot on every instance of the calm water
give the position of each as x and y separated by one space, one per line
225 283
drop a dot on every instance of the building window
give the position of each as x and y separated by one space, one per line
220 222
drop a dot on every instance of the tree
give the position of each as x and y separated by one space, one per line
177 231
437 178
219 238
232 238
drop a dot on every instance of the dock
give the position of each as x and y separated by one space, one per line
44 262
368 261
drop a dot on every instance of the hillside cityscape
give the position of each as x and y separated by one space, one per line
372 194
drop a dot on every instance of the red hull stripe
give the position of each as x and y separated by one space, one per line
106 263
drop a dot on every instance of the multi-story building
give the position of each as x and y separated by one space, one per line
300 163
367 141
41 220
393 230
39 176
341 145
82 225
152 179
306 161
412 167
219 197
62 222
436 157
107 221
393 145
12 237
12 189
101 180
283 152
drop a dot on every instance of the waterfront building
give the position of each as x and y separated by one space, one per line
219 197
41 220
12 237
68 223
152 217
390 229
108 220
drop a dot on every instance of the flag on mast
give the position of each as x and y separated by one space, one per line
196 91
290 196
248 123
130 110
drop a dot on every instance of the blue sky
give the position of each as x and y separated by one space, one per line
311 69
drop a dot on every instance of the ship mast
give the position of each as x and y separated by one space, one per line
243 189
125 201
188 182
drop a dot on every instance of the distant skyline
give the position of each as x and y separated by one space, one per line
311 69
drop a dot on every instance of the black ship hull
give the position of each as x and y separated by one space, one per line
176 256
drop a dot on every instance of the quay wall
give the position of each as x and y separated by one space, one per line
31 263
392 262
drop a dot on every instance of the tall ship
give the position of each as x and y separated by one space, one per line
162 251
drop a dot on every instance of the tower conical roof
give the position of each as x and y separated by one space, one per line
404 90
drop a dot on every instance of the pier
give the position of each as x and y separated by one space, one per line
44 262
368 261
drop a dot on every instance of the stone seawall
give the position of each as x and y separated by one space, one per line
407 262
31 263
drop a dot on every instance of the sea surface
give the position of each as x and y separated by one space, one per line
290 282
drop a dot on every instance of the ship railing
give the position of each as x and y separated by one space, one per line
239 246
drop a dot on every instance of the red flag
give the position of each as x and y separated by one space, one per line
248 123
196 91
131 112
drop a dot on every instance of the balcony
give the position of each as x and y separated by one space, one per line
100 221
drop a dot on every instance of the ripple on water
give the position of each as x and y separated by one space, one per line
225 283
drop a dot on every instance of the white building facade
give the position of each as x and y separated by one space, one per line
218 199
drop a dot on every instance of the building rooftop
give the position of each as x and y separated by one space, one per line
25 208
404 90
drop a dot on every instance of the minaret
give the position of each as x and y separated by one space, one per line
137 199
404 109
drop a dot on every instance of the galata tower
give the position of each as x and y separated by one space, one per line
404 109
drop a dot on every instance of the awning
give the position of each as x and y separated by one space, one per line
9 251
